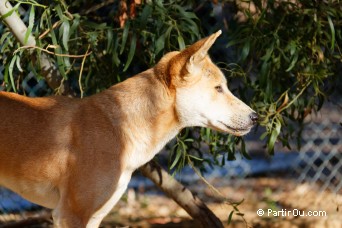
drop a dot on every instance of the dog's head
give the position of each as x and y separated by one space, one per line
202 97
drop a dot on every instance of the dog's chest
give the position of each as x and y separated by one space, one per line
144 149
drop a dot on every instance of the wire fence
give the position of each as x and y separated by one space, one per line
320 160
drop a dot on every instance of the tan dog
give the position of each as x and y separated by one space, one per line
76 156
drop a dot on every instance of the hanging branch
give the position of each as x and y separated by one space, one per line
181 195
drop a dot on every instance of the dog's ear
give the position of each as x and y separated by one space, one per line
199 50
183 62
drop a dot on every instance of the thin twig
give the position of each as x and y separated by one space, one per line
80 77
207 183
295 98
33 3
98 6
50 52
227 201
55 25
59 88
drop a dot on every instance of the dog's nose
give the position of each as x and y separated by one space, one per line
254 117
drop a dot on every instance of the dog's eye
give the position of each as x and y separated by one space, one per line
219 89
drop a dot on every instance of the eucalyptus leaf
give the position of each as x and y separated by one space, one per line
10 72
131 52
66 34
124 36
31 23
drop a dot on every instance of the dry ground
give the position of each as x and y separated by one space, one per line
137 209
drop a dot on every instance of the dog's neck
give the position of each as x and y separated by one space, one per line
150 113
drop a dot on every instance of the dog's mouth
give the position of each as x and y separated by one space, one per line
236 131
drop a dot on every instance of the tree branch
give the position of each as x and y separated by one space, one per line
15 24
181 195
19 29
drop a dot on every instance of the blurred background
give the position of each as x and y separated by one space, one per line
282 57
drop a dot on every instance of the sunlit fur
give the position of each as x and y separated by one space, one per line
76 156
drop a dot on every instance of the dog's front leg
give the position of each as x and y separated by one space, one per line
97 217
86 204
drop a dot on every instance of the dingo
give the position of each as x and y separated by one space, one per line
76 156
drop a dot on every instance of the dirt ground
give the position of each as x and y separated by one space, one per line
152 209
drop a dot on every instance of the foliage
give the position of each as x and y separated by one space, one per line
290 53
292 48
62 28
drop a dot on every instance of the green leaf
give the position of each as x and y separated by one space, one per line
75 23
231 156
30 27
6 77
189 140
66 34
181 42
234 42
182 145
10 72
178 155
223 161
292 46
268 54
263 135
332 29
264 73
60 62
95 26
189 25
59 12
131 51
207 134
147 11
293 62
9 13
4 36
243 150
274 135
230 216
239 202
115 56
195 157
160 43
245 50
18 64
124 36
109 40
